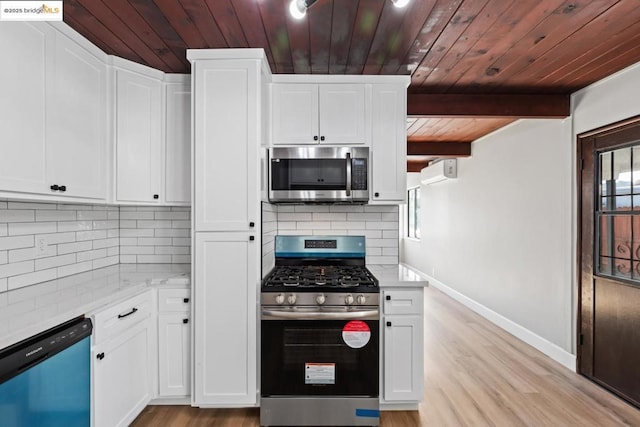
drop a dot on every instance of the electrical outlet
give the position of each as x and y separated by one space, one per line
41 245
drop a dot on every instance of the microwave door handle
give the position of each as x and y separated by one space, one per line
348 174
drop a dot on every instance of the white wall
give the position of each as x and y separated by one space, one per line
502 237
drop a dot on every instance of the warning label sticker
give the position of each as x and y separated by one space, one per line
319 373
356 334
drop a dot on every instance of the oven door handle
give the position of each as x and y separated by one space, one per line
268 314
348 175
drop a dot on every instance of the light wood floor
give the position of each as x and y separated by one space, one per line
475 375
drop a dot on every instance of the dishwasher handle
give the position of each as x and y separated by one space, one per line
122 316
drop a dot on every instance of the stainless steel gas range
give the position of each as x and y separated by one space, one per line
319 334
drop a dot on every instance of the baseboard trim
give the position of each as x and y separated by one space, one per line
558 354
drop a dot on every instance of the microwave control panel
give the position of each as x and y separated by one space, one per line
359 174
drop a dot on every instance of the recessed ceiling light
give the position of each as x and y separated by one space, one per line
400 3
298 9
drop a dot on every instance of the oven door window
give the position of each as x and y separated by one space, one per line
311 358
309 174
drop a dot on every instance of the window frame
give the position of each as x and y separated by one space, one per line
413 213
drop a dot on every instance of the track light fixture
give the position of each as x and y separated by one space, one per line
298 8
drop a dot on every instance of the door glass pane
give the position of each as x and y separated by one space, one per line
605 173
622 171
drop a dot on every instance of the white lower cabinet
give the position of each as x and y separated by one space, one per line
174 368
403 346
123 361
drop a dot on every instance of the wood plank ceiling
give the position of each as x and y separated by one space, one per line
474 64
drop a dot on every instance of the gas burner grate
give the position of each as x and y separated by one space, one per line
320 277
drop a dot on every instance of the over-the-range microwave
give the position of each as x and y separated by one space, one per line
319 174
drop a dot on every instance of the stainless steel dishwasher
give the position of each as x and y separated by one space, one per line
45 380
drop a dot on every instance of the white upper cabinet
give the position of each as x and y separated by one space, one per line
138 137
319 113
53 108
177 159
389 143
77 122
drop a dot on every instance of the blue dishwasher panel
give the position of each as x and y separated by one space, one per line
54 392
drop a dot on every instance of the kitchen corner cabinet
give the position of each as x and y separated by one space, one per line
138 137
388 144
174 348
54 112
225 337
319 113
122 361
177 151
403 346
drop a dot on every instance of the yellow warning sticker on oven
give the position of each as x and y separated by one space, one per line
356 334
319 373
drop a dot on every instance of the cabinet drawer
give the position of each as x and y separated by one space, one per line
122 316
403 302
174 300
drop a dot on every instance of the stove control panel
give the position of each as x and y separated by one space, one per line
316 299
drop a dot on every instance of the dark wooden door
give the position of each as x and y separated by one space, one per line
609 257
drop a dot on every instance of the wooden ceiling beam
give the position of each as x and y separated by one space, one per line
416 166
427 148
490 105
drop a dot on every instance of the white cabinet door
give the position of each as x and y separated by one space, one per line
225 319
174 352
295 114
403 358
77 122
122 377
24 77
177 160
227 132
389 144
138 143
343 113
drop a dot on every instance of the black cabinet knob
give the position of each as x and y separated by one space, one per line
100 356
377 194
388 323
252 238
185 321
186 300
155 196
322 138
54 187
388 297
252 224
315 138
62 188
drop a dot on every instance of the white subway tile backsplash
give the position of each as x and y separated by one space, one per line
180 224
17 255
362 216
21 281
332 232
156 224
379 225
294 216
381 260
172 250
137 250
49 215
92 215
7 215
173 232
346 208
180 259
91 235
115 232
114 251
390 216
309 208
318 225
383 243
390 234
91 255
56 238
80 267
4 258
172 215
136 232
106 243
74 226
128 241
16 268
181 241
105 225
128 223
327 216
154 241
21 228
390 251
348 225
128 259
67 248
136 215
155 259
28 205
3 230
55 261
105 262
16 242
3 285
369 234
286 225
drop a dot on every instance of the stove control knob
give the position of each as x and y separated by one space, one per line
280 299
320 299
291 299
348 299
361 299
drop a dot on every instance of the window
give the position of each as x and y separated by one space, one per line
413 211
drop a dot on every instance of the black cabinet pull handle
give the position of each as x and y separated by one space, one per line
54 187
252 224
185 321
322 138
133 310
62 188
388 297
315 138
155 196
186 300
252 238
388 323
377 195
100 356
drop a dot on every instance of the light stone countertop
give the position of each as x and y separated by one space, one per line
397 276
30 310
